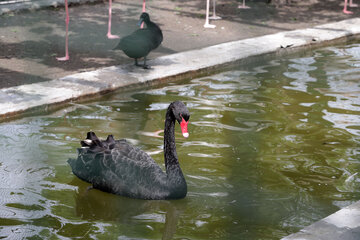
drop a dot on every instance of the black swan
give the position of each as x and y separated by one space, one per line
141 42
117 167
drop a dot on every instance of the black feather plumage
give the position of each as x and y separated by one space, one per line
141 42
117 167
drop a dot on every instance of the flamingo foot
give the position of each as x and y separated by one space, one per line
214 17
66 58
243 7
353 5
206 25
110 36
347 12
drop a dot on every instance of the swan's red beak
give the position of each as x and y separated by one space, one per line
183 126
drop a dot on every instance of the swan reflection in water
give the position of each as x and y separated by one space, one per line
95 205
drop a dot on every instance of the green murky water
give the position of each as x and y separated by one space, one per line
272 149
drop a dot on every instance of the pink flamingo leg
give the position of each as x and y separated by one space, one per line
345 8
214 17
243 6
109 35
67 35
207 25
143 10
351 4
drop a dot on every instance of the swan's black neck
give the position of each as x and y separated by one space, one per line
171 159
176 179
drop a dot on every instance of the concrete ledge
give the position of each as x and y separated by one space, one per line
21 99
342 225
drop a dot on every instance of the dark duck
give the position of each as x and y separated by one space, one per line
117 167
141 42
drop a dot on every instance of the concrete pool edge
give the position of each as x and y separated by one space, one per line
342 225
16 101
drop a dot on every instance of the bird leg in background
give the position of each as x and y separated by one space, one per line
67 36
145 66
109 35
243 6
207 25
351 4
214 17
143 10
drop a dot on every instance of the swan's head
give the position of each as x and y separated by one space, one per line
144 17
182 115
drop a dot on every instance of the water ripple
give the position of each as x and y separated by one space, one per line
219 125
205 144
277 143
204 155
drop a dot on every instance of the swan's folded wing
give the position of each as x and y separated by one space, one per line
125 170
129 171
122 147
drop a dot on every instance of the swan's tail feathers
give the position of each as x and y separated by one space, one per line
91 136
93 143
110 141
90 139
110 138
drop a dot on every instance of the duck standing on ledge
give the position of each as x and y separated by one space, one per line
141 42
117 167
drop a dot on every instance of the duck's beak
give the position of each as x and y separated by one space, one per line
140 22
183 126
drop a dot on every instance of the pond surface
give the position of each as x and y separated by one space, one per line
272 149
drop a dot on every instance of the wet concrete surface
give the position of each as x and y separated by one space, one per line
342 225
